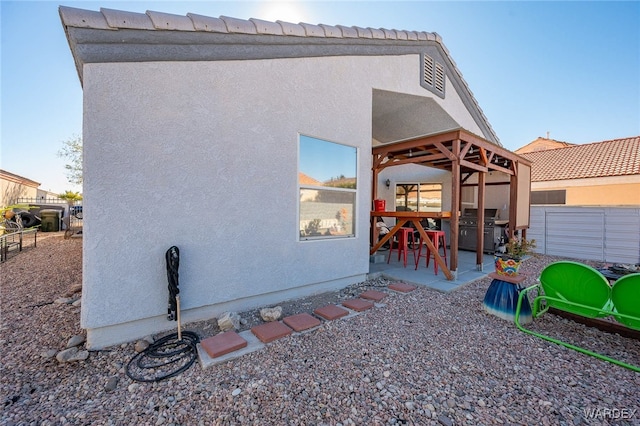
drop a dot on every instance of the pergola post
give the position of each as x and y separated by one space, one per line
455 207
481 204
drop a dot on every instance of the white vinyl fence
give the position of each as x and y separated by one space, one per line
606 234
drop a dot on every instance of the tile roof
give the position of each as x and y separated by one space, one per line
307 180
98 36
110 19
618 157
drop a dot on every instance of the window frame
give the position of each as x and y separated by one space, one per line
331 189
417 192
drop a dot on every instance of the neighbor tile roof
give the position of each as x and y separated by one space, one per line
616 157
307 180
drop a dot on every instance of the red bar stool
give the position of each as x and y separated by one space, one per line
439 240
402 245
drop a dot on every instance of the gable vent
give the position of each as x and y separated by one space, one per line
439 80
428 70
433 75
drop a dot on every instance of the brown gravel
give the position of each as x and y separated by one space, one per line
425 358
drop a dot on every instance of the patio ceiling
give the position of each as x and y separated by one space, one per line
399 116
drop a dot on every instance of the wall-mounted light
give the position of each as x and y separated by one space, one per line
388 183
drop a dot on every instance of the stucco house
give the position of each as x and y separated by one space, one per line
248 144
605 173
13 187
586 199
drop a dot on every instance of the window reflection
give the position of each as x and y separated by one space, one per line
327 164
327 182
325 213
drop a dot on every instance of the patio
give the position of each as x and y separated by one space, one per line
467 271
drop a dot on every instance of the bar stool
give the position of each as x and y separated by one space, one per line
402 245
438 238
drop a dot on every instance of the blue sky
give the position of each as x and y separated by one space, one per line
568 68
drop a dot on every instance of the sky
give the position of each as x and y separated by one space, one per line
566 69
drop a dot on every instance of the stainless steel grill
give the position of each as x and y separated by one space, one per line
468 230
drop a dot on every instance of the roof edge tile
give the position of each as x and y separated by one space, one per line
208 23
377 33
267 27
81 18
348 32
235 25
168 21
292 29
331 31
364 32
122 19
312 30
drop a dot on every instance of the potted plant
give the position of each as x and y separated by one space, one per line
508 262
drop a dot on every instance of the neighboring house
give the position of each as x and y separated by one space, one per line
230 134
586 199
595 174
542 144
13 187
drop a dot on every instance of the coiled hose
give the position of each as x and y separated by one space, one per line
171 354
165 358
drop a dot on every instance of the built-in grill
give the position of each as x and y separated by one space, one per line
468 230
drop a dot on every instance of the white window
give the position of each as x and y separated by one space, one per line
327 181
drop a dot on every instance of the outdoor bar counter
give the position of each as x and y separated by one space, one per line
415 218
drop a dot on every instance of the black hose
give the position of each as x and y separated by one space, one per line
170 355
165 358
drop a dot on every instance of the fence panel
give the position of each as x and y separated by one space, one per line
607 234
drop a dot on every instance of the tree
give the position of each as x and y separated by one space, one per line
70 196
72 151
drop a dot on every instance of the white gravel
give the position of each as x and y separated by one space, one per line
424 358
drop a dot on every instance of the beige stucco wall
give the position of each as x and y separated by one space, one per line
12 188
204 155
605 191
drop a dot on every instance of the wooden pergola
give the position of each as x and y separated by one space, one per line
463 154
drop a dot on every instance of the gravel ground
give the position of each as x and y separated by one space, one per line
424 358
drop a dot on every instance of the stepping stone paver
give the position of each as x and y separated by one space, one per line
271 331
223 343
402 287
331 312
301 322
374 295
357 305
